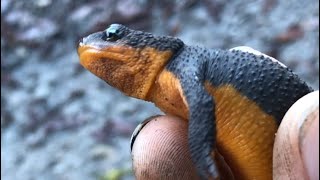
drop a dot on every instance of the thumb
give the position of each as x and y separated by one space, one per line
296 148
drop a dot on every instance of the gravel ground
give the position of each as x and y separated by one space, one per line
58 121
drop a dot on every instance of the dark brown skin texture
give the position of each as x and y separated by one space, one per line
233 100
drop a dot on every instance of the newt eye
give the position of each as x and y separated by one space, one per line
113 33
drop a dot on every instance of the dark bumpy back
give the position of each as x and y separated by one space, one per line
140 39
273 87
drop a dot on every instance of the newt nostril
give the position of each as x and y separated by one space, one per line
80 42
83 41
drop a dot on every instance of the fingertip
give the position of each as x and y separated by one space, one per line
160 150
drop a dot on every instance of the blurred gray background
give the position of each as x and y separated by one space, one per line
58 121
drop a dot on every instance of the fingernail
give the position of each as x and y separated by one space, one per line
309 144
139 128
309 135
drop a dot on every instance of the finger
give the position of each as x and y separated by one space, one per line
296 148
160 150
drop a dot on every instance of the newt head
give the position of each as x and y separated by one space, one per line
127 59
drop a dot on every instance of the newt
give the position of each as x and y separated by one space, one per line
233 100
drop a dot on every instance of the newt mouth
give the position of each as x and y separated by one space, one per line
90 53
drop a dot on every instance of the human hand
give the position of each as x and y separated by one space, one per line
160 151
296 147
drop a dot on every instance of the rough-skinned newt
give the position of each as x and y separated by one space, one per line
233 100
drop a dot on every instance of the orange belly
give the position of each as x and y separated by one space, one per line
245 133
